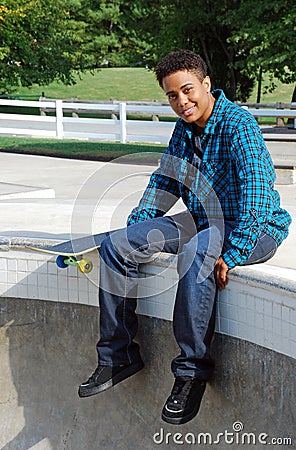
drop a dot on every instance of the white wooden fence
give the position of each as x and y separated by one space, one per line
118 128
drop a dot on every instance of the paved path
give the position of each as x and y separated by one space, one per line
89 197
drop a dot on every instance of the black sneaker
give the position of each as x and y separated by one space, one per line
105 377
184 402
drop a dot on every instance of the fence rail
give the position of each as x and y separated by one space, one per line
116 128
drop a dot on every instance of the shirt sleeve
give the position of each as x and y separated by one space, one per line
161 193
256 177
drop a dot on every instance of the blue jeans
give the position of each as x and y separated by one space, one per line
194 312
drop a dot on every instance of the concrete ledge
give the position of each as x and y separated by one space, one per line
258 304
266 276
285 174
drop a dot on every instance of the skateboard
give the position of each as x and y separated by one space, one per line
71 253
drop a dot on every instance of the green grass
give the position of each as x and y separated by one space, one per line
105 84
103 151
129 83
282 93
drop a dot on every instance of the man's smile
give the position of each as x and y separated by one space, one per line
188 111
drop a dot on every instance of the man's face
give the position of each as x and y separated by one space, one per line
190 98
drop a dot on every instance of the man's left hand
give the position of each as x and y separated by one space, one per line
221 270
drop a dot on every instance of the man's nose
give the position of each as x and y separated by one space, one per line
182 100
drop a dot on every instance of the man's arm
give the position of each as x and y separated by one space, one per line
255 173
161 193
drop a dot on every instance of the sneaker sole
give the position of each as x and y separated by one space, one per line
128 372
183 419
180 420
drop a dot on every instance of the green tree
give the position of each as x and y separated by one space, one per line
94 26
267 33
35 45
198 26
235 37
42 41
108 32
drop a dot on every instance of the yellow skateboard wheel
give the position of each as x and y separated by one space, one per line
85 265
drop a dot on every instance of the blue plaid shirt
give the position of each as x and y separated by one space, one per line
232 175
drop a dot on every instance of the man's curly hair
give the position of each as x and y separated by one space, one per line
180 60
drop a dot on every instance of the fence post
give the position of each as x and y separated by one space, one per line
279 120
122 116
293 106
59 119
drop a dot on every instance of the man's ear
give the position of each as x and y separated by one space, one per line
207 83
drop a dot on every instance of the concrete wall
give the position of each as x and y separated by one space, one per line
258 304
48 348
48 330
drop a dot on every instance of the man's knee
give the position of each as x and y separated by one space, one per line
210 242
110 245
202 250
126 244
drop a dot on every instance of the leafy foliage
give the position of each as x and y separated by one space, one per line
267 32
36 46
235 37
42 41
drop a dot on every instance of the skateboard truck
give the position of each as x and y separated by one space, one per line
71 253
84 265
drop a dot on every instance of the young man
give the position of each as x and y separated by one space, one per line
218 164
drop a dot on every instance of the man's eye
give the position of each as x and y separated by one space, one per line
171 96
187 90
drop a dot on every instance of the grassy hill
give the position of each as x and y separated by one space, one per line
105 84
128 84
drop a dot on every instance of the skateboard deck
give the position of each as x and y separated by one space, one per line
69 252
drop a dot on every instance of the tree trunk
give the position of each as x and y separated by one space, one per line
259 85
229 55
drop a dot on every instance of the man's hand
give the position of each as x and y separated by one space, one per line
221 270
